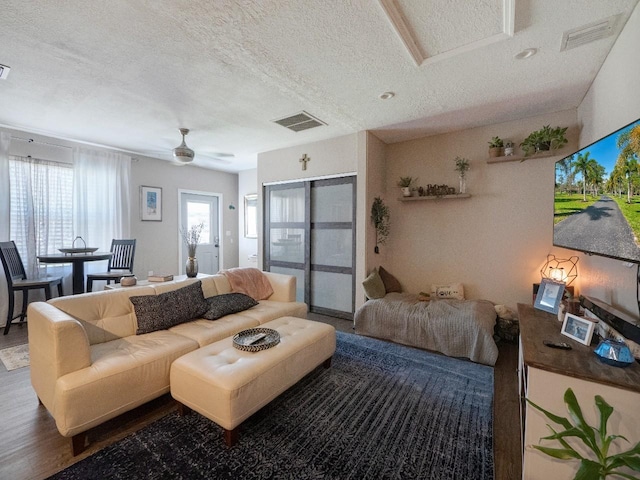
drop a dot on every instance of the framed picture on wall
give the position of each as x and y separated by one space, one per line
549 296
150 204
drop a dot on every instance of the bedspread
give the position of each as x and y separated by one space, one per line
457 328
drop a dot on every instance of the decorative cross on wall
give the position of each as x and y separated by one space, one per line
304 161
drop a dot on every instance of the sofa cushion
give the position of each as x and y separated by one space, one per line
165 310
221 305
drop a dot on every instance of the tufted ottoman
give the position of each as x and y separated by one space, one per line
228 385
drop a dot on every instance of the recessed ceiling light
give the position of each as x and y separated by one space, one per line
526 53
387 95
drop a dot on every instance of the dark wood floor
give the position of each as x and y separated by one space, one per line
31 447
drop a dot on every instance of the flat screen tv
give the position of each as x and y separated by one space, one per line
597 197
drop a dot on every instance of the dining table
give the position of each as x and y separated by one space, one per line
77 261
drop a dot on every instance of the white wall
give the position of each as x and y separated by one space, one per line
612 102
158 242
247 247
494 242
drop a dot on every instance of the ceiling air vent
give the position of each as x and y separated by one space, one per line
300 121
590 33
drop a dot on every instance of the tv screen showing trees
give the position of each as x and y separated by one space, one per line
597 197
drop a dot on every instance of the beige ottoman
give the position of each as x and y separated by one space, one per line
228 385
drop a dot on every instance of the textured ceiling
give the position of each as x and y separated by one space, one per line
128 74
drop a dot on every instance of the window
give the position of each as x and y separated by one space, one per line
41 209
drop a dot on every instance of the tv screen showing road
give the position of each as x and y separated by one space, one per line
597 197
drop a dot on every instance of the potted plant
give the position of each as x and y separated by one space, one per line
380 220
545 139
405 184
601 464
496 147
462 166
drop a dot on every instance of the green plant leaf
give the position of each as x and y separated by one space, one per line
572 432
605 412
554 418
560 453
575 412
632 462
589 470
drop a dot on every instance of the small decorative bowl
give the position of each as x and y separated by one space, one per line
128 281
614 352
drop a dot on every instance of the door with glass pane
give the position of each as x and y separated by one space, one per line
195 209
310 233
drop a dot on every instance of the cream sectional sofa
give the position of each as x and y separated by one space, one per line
88 365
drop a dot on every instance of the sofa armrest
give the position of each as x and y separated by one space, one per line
58 344
284 287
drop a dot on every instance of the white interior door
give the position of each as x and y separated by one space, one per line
202 208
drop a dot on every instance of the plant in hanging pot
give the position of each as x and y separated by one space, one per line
191 237
545 139
496 147
380 220
405 183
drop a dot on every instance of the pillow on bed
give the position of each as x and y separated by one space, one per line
373 286
391 283
450 290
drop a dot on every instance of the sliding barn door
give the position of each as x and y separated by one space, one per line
310 233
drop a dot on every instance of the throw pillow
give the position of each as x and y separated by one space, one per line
226 304
373 286
166 310
391 283
451 290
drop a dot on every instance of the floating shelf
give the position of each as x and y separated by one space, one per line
435 197
522 158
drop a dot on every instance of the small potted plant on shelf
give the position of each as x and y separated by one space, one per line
405 184
462 166
496 147
545 139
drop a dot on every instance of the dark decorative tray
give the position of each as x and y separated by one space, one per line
78 250
256 339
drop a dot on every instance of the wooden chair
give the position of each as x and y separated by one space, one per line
120 264
17 281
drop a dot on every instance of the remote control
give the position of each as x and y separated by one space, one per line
560 345
255 338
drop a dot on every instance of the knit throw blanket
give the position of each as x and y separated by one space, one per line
249 281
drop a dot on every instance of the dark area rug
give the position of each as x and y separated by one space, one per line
381 411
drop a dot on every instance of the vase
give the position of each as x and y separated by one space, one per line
192 267
463 184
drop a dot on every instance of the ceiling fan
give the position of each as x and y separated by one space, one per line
184 155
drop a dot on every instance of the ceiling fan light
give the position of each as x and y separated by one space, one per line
183 154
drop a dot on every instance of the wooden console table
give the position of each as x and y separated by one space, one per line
545 373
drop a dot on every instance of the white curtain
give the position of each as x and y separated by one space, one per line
101 199
5 196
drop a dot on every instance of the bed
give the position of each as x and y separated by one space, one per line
457 328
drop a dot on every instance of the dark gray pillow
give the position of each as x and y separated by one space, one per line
166 310
226 304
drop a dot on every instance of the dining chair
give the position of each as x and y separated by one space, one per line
120 264
17 281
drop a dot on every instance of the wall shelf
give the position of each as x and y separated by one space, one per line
435 197
522 158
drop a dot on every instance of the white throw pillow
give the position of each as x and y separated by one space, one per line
450 290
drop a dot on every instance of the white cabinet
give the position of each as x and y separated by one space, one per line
546 373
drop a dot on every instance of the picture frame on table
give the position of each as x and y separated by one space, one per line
578 328
549 296
150 204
